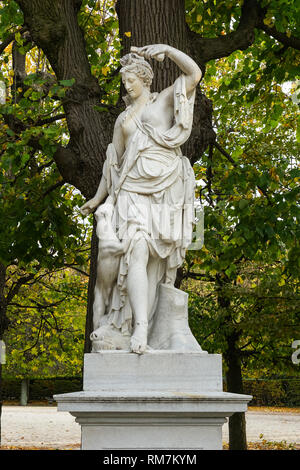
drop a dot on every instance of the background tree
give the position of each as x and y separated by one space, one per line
46 332
249 266
69 35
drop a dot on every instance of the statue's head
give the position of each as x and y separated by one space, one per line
135 64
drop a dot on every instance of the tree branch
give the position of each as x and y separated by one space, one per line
206 49
221 150
64 157
252 17
17 286
53 187
11 38
287 41
42 122
37 338
77 269
198 276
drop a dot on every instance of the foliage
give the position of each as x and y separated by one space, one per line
38 206
212 18
46 332
264 444
249 185
40 390
100 25
248 180
42 232
281 391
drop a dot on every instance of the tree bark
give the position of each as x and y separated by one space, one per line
237 422
24 392
153 26
19 70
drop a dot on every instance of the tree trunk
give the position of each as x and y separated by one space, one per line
18 64
161 23
24 392
237 422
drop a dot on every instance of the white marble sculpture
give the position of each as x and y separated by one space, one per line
146 222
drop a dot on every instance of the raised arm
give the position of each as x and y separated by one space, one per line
158 51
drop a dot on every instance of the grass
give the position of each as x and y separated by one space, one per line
72 447
263 444
274 409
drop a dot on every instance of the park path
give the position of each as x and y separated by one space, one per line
44 426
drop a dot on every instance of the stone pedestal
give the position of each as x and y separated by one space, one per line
159 400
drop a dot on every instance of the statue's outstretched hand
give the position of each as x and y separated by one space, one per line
89 206
154 51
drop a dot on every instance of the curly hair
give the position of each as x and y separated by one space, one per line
139 66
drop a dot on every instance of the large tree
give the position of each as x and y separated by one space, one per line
62 31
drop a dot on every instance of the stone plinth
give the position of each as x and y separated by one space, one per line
157 371
159 400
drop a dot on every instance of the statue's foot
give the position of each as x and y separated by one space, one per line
138 342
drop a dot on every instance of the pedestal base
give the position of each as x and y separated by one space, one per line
160 400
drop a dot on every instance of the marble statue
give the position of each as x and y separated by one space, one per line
144 211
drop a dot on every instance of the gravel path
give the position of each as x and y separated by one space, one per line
43 426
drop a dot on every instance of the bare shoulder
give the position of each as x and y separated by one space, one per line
120 119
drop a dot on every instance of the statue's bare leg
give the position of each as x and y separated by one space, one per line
154 269
98 305
137 286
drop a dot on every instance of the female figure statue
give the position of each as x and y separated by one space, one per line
146 222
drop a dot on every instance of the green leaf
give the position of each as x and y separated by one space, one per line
298 131
243 203
68 83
